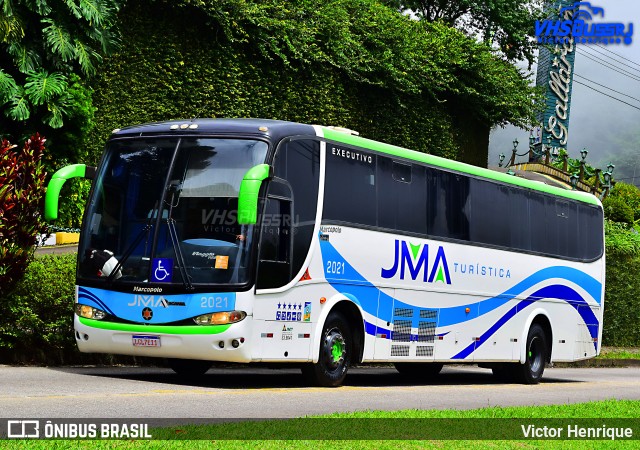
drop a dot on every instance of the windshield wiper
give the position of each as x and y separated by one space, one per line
174 188
145 231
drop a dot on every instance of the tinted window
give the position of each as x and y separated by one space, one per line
448 205
402 196
350 186
589 232
519 222
490 213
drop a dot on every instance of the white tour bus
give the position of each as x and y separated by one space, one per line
267 241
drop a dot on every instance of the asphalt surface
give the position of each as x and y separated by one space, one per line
254 392
57 249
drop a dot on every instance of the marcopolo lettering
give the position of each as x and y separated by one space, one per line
416 259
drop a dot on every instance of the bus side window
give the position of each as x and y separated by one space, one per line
276 238
402 196
350 186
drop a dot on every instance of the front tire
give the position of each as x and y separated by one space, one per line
336 350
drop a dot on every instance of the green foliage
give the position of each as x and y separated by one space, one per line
42 44
629 195
506 24
616 210
21 201
36 318
621 311
621 239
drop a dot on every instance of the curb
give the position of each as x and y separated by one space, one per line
595 363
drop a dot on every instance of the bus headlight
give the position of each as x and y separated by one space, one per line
89 312
220 318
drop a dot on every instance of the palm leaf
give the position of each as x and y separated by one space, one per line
56 113
86 56
42 7
7 7
94 11
19 109
11 29
8 87
24 58
42 86
108 39
58 40
75 10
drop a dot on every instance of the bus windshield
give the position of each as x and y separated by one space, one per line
164 210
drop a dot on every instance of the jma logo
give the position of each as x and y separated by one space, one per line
415 258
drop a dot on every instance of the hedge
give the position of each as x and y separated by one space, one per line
36 318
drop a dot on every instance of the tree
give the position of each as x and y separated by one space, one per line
506 24
42 43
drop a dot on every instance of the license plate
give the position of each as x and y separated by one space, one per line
146 341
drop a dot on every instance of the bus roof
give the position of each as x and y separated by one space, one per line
272 130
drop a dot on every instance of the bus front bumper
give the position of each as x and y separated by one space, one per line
212 343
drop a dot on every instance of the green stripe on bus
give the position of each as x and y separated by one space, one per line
156 329
457 166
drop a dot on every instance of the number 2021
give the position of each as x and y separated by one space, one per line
213 302
336 267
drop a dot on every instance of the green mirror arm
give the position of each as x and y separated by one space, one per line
57 181
248 195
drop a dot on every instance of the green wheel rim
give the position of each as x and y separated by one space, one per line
337 350
334 349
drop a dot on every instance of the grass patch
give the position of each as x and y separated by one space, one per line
619 353
323 431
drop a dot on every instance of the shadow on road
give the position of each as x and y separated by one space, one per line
248 377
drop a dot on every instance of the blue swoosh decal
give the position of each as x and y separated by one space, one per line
553 291
379 304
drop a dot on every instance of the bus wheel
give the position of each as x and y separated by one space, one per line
189 367
335 353
419 371
531 371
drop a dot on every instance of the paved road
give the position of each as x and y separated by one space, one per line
57 249
135 392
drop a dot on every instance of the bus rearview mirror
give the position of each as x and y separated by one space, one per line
249 190
57 181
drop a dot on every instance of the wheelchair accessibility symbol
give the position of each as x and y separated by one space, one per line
162 270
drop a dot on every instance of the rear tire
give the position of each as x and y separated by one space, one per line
531 371
419 371
189 368
336 350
